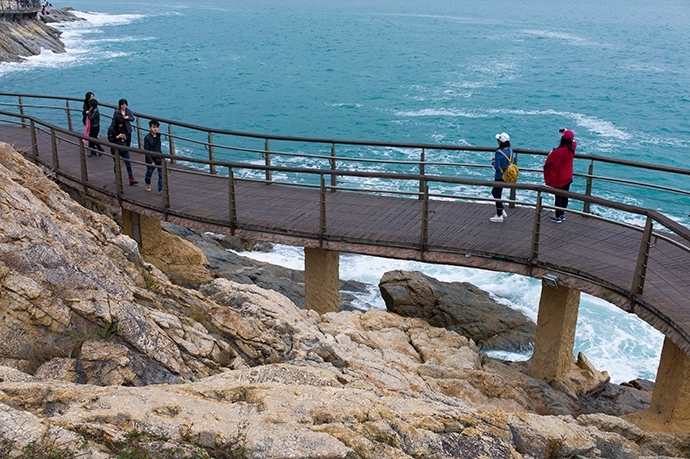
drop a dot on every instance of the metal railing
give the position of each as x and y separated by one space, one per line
593 175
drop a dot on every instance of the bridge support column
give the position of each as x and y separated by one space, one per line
130 225
669 410
671 396
321 280
555 338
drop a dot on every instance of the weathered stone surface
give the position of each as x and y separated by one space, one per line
457 306
77 302
226 264
303 411
55 15
27 38
183 263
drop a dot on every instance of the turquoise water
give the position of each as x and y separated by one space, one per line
617 73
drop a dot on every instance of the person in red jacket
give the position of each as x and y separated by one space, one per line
558 171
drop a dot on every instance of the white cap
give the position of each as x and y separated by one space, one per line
503 137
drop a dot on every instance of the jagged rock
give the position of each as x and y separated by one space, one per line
56 15
27 38
457 306
75 303
229 265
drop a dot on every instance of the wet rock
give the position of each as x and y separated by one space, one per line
457 306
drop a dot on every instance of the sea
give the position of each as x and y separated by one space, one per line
453 72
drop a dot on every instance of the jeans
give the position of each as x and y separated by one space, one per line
124 154
154 164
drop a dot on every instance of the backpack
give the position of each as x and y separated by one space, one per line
510 174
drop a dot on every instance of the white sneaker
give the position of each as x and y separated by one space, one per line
496 219
504 214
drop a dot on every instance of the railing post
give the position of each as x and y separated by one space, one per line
513 191
637 287
588 189
211 156
322 210
21 111
118 175
333 168
424 236
171 141
34 142
141 142
165 192
82 164
422 169
53 142
69 115
267 157
232 200
536 230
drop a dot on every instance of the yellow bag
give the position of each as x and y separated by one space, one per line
511 173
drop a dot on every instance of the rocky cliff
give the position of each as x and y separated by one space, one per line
25 38
101 353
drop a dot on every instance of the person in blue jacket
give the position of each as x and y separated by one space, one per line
500 161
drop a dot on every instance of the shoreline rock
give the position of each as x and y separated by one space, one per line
79 304
457 306
25 38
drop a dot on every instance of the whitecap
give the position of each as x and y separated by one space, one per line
440 112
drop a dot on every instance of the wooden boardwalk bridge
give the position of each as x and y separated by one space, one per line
642 268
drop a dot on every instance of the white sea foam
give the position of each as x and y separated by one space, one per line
612 340
562 36
105 19
440 112
78 49
591 123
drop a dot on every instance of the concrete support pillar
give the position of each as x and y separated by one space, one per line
555 338
671 396
321 280
130 225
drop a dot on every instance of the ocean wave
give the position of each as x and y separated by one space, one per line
440 112
78 50
571 39
591 123
105 19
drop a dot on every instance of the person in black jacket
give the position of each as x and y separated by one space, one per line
89 95
152 142
117 133
126 114
95 117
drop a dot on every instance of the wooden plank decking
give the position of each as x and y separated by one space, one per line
590 254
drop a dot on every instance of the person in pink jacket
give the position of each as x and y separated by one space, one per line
558 171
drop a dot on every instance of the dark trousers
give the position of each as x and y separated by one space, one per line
124 154
150 166
562 201
496 192
93 132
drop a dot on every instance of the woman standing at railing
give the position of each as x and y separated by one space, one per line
558 171
500 161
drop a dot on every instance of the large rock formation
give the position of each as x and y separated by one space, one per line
457 306
84 320
25 38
